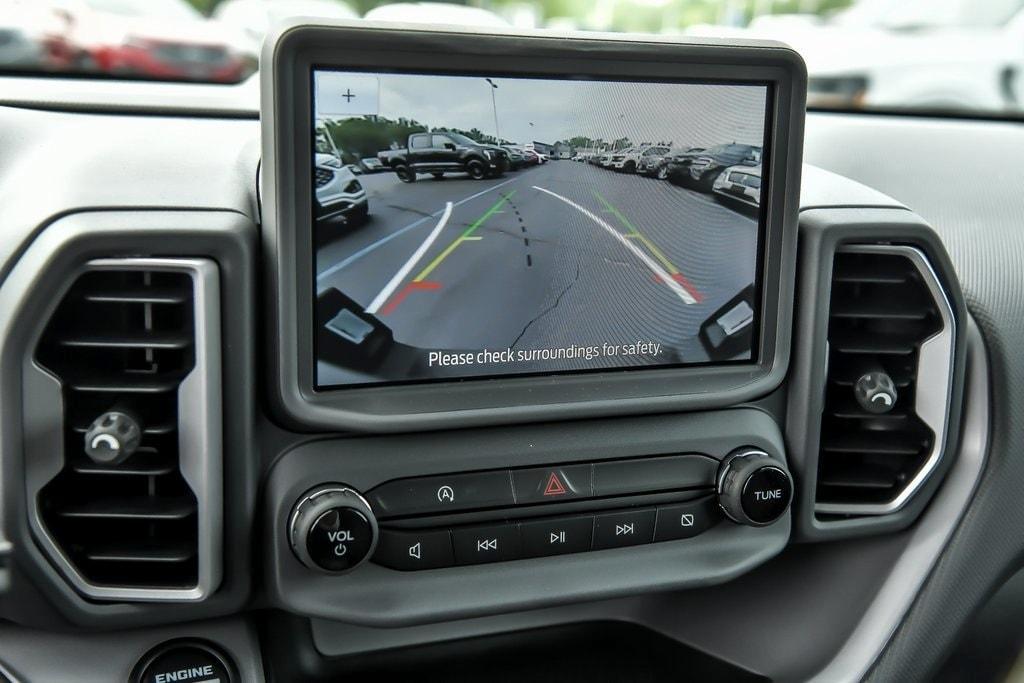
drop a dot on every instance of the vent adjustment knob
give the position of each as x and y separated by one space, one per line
112 437
753 487
332 529
875 392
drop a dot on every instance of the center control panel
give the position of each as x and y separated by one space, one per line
498 515
454 524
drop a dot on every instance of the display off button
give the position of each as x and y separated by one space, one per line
552 484
686 520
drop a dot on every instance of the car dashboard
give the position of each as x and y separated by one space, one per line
872 537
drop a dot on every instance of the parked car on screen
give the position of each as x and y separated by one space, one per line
699 170
739 183
442 152
530 157
655 164
516 159
339 194
371 165
629 160
618 158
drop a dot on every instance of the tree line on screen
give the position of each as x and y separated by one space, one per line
362 137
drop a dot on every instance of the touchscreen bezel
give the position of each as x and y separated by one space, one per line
287 214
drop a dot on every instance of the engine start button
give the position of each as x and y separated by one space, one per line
184 661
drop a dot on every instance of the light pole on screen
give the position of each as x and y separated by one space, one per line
494 106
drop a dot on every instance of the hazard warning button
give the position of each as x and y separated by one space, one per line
551 484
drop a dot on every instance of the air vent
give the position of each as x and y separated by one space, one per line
136 337
888 319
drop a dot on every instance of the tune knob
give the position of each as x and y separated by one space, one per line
753 487
332 529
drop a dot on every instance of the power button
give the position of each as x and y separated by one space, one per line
339 539
332 529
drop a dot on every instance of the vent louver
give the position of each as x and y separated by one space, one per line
124 339
886 307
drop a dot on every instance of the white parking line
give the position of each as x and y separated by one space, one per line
384 240
667 279
392 285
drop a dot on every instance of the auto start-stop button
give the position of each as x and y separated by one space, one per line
184 661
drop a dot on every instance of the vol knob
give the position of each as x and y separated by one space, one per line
332 529
753 487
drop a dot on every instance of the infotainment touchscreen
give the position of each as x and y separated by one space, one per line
489 225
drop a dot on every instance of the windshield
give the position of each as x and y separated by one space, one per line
946 56
461 139
732 154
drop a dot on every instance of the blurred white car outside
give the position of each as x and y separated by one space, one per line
958 55
255 18
436 13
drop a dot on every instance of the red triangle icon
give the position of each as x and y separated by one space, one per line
555 486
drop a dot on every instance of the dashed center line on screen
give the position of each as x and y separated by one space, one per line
672 283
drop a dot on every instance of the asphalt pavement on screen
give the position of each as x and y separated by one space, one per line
556 255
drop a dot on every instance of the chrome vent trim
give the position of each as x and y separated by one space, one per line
200 436
933 397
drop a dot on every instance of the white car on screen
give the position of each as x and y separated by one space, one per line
629 160
739 183
339 194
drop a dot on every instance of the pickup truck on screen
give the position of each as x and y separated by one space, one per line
440 153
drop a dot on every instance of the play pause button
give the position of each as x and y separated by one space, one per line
557 536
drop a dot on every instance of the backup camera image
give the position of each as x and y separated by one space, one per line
469 226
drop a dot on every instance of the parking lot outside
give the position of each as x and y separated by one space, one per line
557 255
